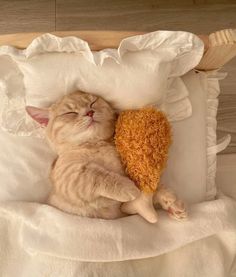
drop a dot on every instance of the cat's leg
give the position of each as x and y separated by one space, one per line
143 205
110 212
111 185
167 199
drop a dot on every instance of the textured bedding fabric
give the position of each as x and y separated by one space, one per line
212 256
40 241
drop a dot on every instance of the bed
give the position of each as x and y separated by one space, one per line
37 240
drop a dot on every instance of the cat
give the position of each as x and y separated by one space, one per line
87 177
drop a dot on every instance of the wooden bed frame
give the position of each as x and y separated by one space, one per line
220 47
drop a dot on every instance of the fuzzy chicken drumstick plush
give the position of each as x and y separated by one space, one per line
142 139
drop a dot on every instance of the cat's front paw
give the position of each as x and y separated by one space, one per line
164 197
178 210
169 202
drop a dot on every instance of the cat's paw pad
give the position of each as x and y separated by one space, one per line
178 210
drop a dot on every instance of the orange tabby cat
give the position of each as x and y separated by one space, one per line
87 176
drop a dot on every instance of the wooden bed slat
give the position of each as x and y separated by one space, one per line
221 49
97 39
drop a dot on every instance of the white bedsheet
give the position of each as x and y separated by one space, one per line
37 240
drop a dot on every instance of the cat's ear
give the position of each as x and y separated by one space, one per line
39 115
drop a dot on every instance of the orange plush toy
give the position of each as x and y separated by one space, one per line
142 139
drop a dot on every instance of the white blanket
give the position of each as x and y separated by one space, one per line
38 240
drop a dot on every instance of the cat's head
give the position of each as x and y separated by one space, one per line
75 119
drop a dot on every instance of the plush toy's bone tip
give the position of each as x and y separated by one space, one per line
143 205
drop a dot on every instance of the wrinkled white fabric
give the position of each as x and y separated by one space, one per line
13 116
38 240
144 70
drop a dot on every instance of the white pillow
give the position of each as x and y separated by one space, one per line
140 72
185 174
186 169
191 168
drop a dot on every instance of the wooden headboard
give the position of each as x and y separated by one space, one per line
220 47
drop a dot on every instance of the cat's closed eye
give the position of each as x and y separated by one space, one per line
71 113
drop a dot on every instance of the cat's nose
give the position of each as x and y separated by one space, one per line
90 113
